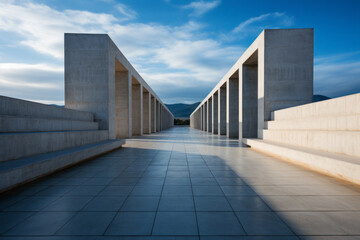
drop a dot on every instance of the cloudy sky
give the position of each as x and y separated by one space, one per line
181 48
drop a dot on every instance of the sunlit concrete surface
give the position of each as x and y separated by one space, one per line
183 183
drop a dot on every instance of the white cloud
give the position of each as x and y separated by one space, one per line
201 7
173 57
126 11
37 82
268 20
336 76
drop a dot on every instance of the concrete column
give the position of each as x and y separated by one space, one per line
206 116
146 112
153 114
215 113
137 111
222 110
158 120
248 101
285 76
209 115
232 107
123 112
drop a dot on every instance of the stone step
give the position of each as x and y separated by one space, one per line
22 108
342 106
19 145
342 142
17 172
335 123
30 124
337 165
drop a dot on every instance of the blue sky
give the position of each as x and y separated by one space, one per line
182 48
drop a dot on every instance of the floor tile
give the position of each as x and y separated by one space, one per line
87 223
85 191
211 203
105 203
245 203
263 223
131 223
116 190
141 203
207 191
323 223
175 223
68 203
179 203
208 181
31 204
171 190
146 191
177 181
42 223
238 191
10 219
219 223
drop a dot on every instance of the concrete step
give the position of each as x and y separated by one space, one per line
337 165
334 123
30 124
342 106
22 108
343 142
17 172
19 145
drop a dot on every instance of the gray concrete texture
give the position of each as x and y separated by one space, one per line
275 72
99 79
105 99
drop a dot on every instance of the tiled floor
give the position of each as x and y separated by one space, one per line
183 184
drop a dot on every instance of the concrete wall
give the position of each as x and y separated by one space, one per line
275 72
99 79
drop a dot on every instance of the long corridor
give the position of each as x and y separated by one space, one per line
183 184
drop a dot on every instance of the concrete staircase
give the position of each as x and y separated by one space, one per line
324 136
38 139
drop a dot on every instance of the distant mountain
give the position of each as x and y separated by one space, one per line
181 109
318 98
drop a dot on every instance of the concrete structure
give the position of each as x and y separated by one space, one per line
324 136
101 80
275 72
105 100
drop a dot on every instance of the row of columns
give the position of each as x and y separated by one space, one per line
275 72
99 79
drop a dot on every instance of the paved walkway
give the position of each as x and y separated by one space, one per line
184 183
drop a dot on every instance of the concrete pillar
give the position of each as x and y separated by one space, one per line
222 110
123 113
137 111
215 113
146 112
285 77
248 103
158 120
209 115
232 106
205 116
153 114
